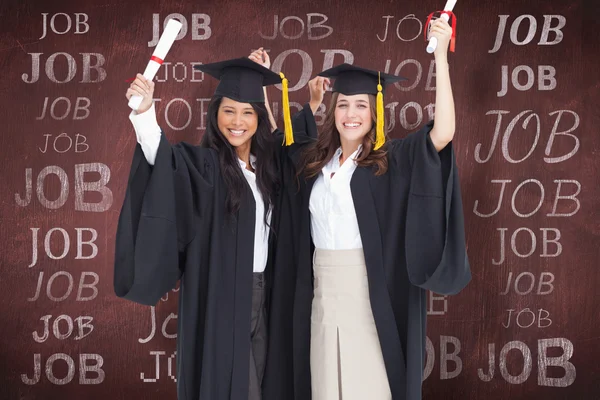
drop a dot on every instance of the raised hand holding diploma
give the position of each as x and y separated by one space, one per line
445 16
160 52
143 89
442 32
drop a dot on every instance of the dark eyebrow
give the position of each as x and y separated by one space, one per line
233 108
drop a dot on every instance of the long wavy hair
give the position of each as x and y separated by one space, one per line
318 154
262 145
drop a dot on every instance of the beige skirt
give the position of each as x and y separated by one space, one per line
345 355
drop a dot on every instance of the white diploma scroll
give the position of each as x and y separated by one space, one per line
431 46
160 52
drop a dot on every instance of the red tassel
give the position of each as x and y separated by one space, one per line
427 25
453 39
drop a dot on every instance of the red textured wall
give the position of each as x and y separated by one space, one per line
528 161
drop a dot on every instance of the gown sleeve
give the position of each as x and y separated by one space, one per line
305 132
435 246
157 221
304 124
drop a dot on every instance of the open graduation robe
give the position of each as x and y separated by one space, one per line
174 226
412 230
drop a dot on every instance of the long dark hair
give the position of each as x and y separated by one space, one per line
318 154
262 145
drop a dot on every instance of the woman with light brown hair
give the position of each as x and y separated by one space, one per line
381 222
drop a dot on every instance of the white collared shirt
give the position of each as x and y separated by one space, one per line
333 218
148 135
261 231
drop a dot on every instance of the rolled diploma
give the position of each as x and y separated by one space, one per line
431 46
160 52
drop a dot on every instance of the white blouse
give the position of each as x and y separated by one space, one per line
333 219
148 134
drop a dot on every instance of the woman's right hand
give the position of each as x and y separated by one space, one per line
261 57
144 88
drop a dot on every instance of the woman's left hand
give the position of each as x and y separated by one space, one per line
442 31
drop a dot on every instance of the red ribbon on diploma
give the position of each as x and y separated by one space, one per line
153 58
158 60
450 14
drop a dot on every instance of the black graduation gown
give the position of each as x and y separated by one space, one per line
412 230
174 226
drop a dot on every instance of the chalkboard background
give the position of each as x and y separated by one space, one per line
524 76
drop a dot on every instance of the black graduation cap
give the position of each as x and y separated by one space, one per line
242 79
350 80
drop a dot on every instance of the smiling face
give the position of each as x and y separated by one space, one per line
353 117
237 121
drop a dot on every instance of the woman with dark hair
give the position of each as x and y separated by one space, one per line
379 224
205 215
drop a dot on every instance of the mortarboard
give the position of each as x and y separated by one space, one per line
242 79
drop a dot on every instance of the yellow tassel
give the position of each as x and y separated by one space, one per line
380 134
287 119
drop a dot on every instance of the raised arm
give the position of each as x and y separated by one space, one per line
445 121
261 57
